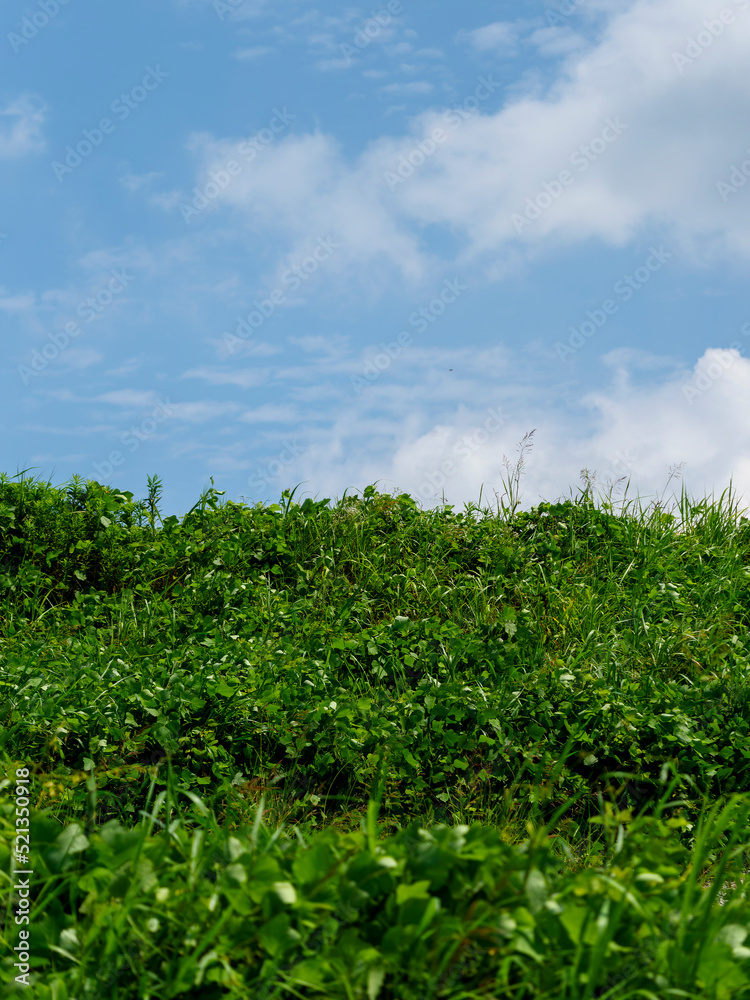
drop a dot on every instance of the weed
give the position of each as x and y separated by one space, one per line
361 749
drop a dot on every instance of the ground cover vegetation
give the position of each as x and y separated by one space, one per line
364 750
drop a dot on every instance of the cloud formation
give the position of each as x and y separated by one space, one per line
631 431
637 131
21 122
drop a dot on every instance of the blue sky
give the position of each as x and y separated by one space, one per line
289 242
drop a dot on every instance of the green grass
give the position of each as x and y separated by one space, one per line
366 750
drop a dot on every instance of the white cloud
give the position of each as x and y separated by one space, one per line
21 127
252 53
131 398
414 87
556 41
133 182
271 413
301 189
329 65
245 378
634 429
78 359
197 412
129 255
399 48
83 430
229 10
16 303
332 345
499 37
202 411
682 132
127 368
168 200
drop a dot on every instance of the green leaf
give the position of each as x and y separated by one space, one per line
308 973
415 890
286 892
536 890
277 935
375 979
71 841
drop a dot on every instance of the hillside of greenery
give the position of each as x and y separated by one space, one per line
364 750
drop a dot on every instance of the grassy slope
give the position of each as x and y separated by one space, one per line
571 666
